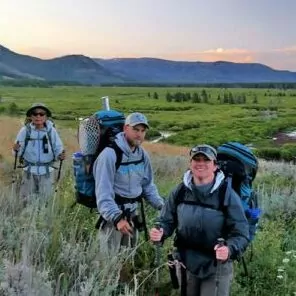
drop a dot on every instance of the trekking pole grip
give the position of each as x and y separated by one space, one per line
60 168
221 241
157 225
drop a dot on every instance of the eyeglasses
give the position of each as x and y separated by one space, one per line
203 149
38 113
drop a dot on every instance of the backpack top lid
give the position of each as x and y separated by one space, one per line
109 117
240 152
238 160
93 132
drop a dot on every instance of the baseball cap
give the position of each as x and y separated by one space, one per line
136 118
207 150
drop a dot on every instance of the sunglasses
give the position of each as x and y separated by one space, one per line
203 149
38 113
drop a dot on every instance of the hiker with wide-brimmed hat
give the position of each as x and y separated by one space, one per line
38 146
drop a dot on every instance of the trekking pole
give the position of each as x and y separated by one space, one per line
59 172
221 242
157 261
15 164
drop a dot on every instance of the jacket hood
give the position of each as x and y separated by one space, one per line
187 179
123 144
48 126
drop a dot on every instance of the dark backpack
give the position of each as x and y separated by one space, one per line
94 134
240 165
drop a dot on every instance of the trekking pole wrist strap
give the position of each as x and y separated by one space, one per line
117 219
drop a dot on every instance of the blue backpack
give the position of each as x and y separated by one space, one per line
240 166
94 134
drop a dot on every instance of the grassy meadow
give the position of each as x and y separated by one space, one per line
52 249
251 116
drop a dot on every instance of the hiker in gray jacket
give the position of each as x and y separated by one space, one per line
38 145
119 190
204 210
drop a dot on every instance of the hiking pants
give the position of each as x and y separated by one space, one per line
36 185
112 240
207 287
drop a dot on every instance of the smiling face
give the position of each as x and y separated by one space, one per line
38 117
135 135
203 169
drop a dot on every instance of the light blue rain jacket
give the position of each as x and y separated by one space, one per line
36 161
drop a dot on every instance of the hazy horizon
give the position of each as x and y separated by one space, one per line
230 30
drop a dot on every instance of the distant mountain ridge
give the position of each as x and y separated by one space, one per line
67 68
83 69
165 71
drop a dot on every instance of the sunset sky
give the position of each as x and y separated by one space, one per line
261 31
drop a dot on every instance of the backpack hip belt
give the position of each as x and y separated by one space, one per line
38 163
30 164
140 224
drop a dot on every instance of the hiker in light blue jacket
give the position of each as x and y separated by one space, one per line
119 190
38 145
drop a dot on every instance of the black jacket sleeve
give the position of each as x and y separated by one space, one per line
168 215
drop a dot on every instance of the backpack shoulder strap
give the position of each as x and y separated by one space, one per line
118 153
27 139
222 193
180 192
50 142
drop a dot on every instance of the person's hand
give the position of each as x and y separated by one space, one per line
222 252
16 146
124 227
62 156
156 234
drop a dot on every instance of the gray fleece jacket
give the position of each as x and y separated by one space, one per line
127 181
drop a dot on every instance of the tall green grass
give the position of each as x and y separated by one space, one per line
53 249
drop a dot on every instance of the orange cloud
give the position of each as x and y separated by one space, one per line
211 55
287 50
